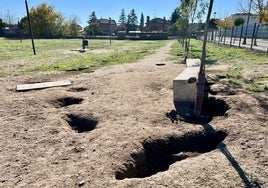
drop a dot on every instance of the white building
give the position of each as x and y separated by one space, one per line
263 28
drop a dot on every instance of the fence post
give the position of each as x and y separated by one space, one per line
231 36
215 36
253 35
224 36
219 36
241 35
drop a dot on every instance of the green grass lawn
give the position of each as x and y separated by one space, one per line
61 54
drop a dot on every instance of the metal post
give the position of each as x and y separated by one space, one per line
224 36
30 26
241 35
246 32
232 36
215 37
253 35
110 30
219 34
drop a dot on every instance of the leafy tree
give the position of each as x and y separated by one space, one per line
175 16
122 18
44 20
2 26
73 26
179 28
93 27
60 27
92 18
225 24
47 23
237 22
142 22
132 21
265 19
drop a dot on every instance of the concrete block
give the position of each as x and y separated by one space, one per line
193 62
184 86
182 89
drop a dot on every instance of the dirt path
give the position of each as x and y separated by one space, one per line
109 129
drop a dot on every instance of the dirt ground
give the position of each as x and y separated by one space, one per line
110 129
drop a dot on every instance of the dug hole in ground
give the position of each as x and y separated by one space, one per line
109 129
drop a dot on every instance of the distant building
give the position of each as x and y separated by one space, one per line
263 29
11 30
108 25
157 24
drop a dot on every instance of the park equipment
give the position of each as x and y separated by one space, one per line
84 43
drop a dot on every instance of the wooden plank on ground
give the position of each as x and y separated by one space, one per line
43 85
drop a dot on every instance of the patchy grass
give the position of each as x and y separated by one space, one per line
2 74
61 54
248 68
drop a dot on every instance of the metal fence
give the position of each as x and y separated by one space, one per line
254 37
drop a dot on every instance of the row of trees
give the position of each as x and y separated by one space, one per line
191 11
125 23
180 18
131 20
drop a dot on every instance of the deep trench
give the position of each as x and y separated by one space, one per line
81 124
214 107
157 155
66 101
211 107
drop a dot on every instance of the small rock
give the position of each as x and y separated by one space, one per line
81 183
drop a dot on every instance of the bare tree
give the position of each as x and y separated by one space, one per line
190 10
245 6
9 18
259 6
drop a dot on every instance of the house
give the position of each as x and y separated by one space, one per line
108 25
11 30
157 24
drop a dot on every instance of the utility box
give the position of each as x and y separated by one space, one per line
84 44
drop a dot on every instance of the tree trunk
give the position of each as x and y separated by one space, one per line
201 75
255 35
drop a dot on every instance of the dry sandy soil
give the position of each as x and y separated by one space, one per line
110 129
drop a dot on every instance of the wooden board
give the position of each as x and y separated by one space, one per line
26 87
